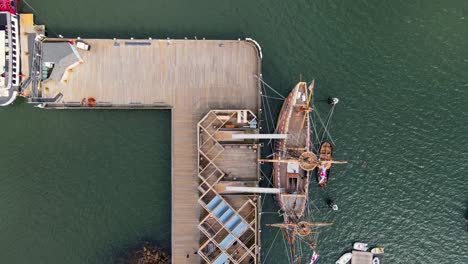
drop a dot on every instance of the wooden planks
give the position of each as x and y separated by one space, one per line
224 80
26 27
192 76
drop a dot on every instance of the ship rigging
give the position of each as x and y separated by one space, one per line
294 159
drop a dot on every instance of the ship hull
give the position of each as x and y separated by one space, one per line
289 176
10 77
9 6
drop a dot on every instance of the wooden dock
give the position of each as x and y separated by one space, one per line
190 76
26 27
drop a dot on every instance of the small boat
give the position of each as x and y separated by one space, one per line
345 258
377 250
361 246
323 171
375 260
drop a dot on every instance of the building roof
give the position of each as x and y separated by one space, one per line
62 55
55 51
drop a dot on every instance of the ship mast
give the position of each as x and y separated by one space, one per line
307 161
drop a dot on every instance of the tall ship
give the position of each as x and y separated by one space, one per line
293 164
290 175
9 52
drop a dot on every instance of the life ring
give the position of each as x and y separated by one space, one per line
91 102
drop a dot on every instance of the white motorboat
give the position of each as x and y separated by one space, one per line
361 246
345 258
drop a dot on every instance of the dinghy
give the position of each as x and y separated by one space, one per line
377 250
361 246
345 258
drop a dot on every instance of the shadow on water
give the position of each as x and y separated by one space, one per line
466 216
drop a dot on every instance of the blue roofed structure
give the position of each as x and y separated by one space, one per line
229 222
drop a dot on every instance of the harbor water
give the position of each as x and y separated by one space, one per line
86 186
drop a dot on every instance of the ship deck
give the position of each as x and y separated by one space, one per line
191 77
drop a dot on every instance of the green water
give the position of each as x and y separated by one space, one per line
82 187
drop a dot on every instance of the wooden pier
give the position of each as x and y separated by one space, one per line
191 77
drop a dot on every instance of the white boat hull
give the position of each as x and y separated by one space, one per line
346 258
361 246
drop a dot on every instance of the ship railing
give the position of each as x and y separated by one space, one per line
14 51
36 68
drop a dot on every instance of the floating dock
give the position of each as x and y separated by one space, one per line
190 77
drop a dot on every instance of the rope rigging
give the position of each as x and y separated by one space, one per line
317 114
271 88
270 115
271 246
328 119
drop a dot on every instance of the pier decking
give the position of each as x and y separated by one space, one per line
189 73
191 77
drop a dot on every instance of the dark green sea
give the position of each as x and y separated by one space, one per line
85 186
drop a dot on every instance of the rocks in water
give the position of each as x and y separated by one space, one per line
148 254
